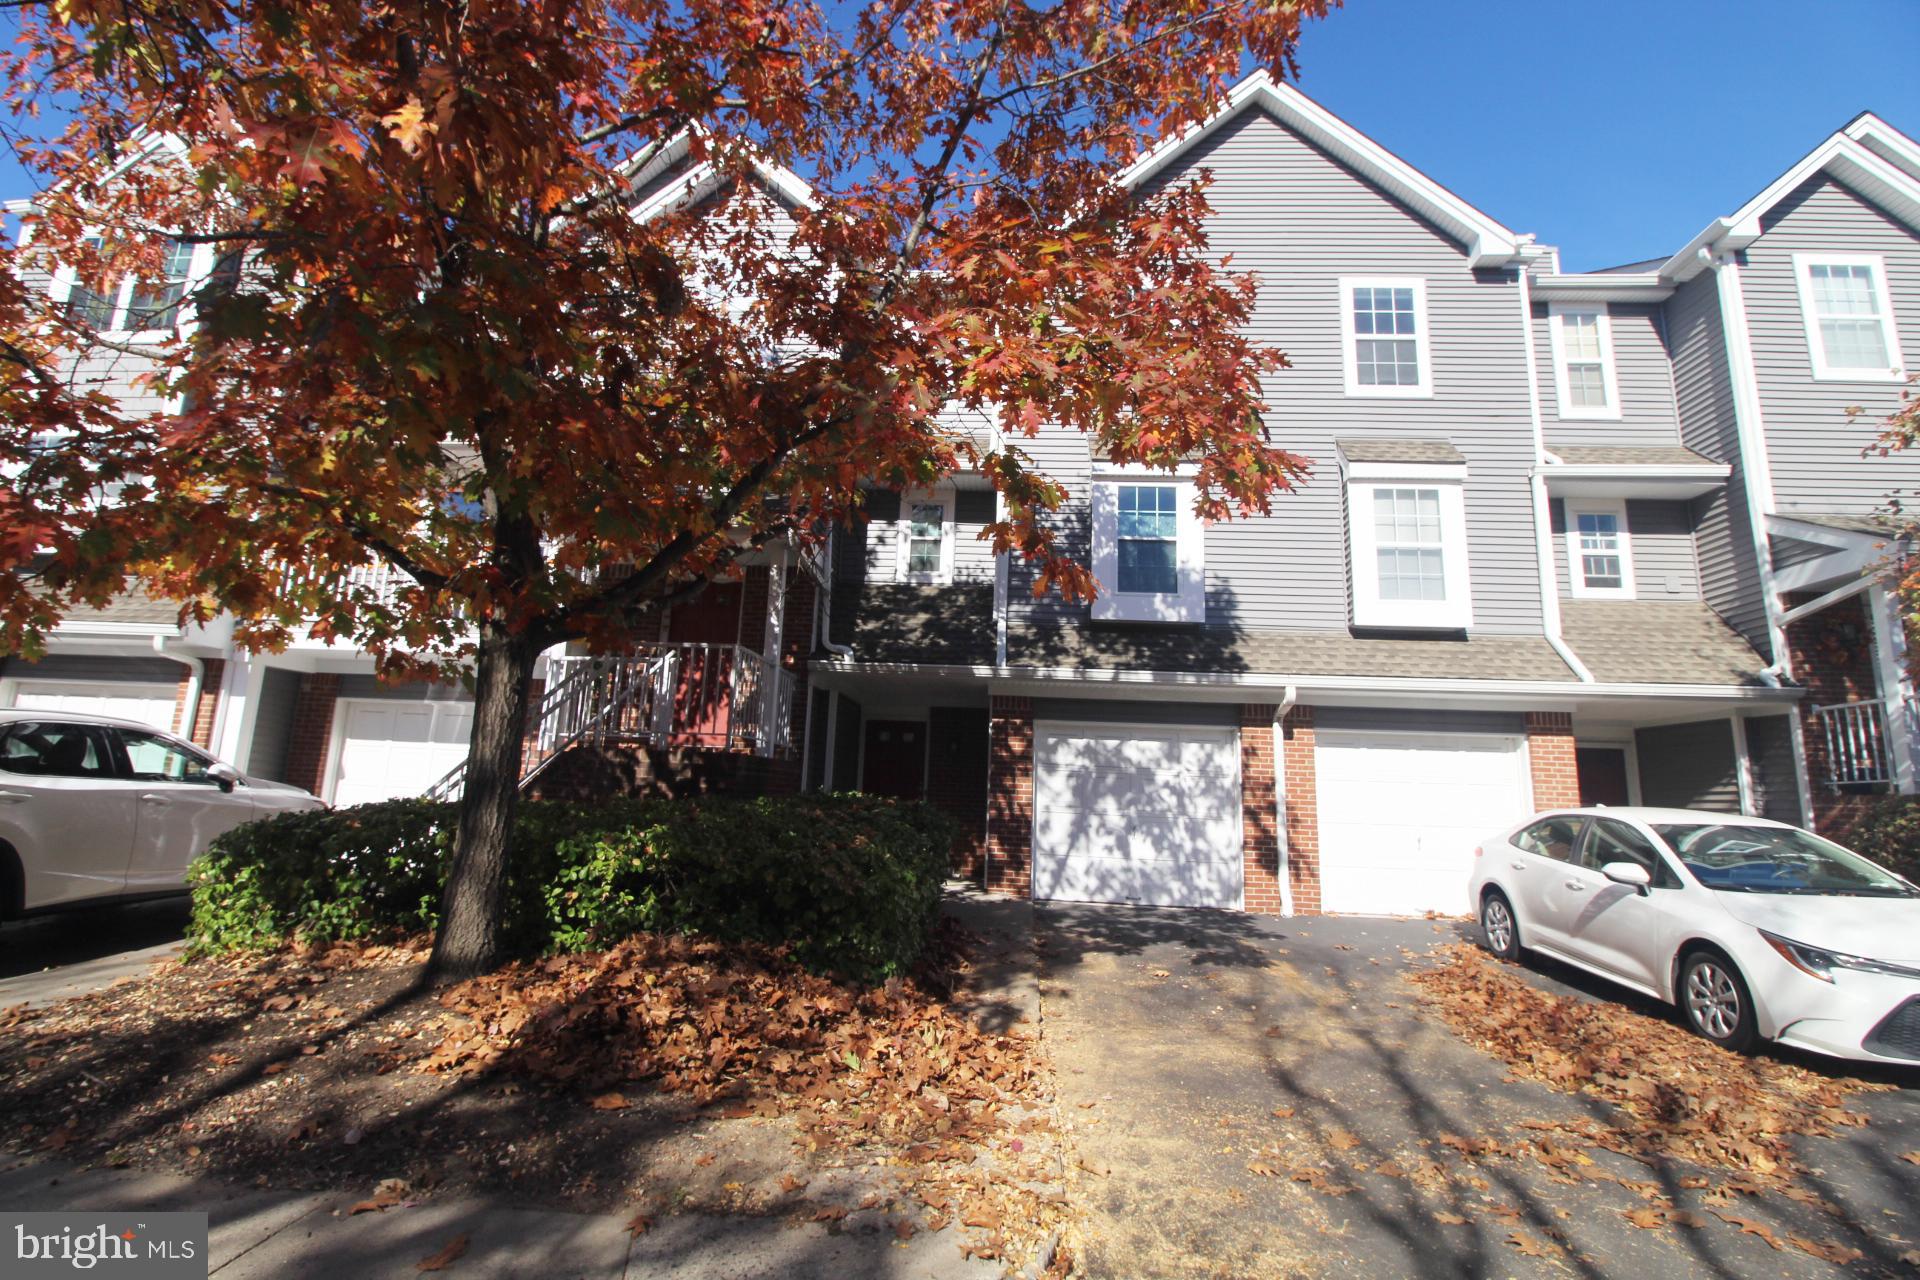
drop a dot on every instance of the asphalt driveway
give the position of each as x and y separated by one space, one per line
1209 1061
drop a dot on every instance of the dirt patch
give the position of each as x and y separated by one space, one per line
663 1075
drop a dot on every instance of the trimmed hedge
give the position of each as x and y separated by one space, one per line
1889 833
850 883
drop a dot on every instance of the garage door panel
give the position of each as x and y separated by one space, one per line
1400 816
150 704
392 749
1149 816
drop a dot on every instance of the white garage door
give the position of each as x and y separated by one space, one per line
1400 815
392 749
152 704
1147 814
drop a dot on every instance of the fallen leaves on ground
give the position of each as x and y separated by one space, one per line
1677 1095
444 1257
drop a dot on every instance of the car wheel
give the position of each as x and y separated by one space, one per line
1714 1000
1498 927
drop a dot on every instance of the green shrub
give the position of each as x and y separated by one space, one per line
850 883
1889 833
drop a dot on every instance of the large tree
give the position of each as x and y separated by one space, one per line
455 349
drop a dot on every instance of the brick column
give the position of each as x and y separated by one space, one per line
209 702
1556 782
1303 811
1010 797
1259 820
312 729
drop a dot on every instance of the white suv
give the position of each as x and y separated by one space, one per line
94 808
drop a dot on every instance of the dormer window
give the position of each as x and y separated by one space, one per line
1407 536
1583 372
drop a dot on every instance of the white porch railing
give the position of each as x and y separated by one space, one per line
1859 752
720 697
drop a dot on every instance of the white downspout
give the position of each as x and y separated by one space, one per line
196 676
1287 699
826 598
1542 506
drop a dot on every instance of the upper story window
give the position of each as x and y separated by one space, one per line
1850 328
1599 550
130 304
924 537
1407 539
1148 548
1385 339
1583 372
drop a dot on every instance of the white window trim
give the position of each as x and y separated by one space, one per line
1422 348
903 527
1576 573
1455 613
1188 604
1889 329
1609 381
61 287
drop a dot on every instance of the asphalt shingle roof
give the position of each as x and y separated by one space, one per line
1657 642
1385 450
1877 525
134 607
1283 653
1631 456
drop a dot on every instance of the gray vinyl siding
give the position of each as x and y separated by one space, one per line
1770 749
1688 766
273 723
1814 447
1642 368
1660 539
1299 220
77 668
1061 454
1703 391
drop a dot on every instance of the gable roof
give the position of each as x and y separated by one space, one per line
1488 242
1869 155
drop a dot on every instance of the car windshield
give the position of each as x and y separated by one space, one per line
1750 859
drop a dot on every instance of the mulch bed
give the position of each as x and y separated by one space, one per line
665 1074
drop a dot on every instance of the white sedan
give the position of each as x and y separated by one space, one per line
93 808
1755 929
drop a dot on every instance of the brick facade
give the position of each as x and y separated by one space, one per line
1833 659
1302 810
753 608
957 749
208 702
311 732
1259 814
1556 779
1010 797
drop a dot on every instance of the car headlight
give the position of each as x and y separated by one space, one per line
1820 963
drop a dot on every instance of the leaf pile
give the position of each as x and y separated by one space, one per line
740 1022
1679 1096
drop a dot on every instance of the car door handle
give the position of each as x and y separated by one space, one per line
154 797
14 797
1518 866
1576 886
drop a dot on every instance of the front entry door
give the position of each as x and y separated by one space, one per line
1602 772
896 759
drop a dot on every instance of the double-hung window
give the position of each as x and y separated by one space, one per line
1407 546
1599 551
1385 336
1849 321
1148 547
1583 372
145 305
924 536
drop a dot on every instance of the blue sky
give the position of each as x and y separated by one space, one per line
1613 129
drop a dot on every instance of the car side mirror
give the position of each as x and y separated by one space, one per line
224 776
1631 874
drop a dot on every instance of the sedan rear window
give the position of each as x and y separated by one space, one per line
54 751
1748 859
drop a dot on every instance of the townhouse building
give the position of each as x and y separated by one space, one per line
1603 537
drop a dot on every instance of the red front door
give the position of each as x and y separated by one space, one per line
896 759
707 627
1602 772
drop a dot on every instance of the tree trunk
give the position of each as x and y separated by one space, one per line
470 906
